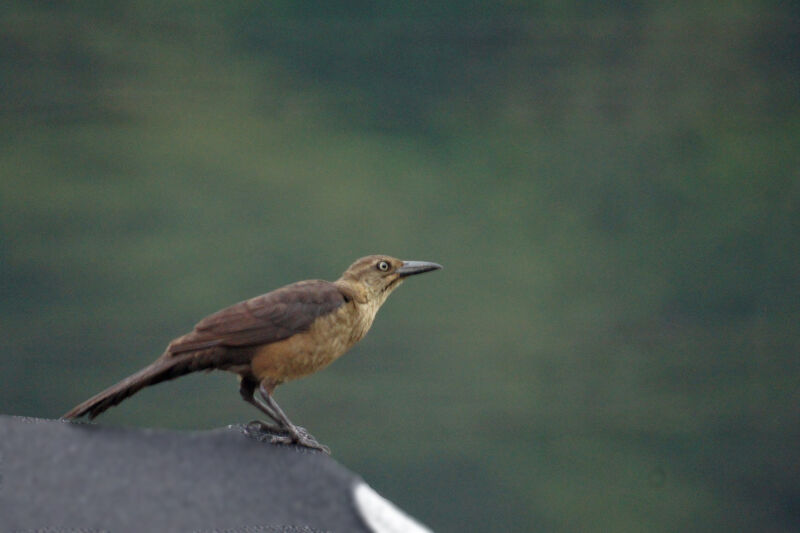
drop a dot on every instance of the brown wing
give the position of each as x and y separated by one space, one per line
270 317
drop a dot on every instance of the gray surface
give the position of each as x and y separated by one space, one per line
65 477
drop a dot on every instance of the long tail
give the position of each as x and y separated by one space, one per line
162 369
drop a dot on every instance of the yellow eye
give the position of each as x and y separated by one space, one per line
383 266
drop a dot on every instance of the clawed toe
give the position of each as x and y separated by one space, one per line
314 445
298 438
265 432
281 439
304 438
260 430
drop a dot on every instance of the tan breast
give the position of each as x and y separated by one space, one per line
329 337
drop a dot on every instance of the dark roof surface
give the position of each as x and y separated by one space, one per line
65 477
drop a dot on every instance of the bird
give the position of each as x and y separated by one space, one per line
273 338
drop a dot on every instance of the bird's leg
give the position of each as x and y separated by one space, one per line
297 434
247 389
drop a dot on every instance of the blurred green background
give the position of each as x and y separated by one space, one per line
614 193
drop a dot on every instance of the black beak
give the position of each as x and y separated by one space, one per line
411 268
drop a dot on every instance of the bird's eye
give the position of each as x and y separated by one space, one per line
383 266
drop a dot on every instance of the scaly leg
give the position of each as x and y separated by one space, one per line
296 434
247 389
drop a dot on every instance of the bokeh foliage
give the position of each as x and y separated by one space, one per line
613 191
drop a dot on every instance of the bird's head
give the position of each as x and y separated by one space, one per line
378 275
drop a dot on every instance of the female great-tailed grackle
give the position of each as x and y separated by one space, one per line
282 335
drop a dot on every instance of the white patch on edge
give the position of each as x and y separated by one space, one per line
381 515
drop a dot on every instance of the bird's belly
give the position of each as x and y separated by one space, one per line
304 353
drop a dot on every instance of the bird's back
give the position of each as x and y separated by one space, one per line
269 318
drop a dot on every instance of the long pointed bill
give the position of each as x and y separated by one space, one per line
411 268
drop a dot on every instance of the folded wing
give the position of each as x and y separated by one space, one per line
268 318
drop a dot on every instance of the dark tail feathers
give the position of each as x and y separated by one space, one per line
163 369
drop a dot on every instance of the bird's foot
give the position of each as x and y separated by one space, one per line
262 431
304 438
298 435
